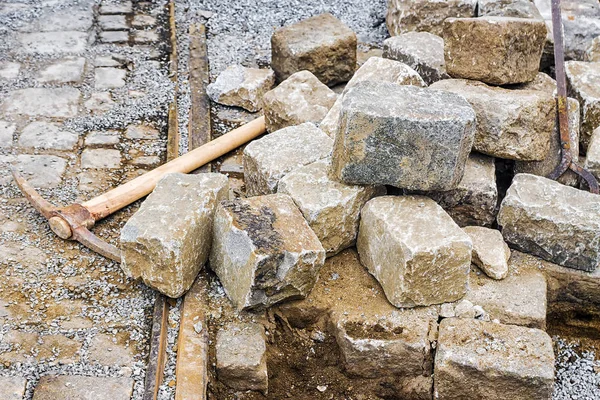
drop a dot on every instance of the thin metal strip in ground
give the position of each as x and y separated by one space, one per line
157 356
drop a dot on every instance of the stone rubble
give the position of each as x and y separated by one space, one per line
169 259
592 160
322 45
371 110
241 357
404 240
374 69
332 209
480 360
490 252
422 51
271 157
558 223
263 251
241 87
511 124
425 15
508 8
300 98
581 82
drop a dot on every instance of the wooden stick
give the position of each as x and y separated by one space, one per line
139 187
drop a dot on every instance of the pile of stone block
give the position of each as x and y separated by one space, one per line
400 164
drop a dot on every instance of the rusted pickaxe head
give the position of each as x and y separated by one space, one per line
71 222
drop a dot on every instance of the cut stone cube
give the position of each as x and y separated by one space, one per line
264 252
414 249
167 241
322 45
404 136
332 209
518 299
83 388
241 357
241 87
271 157
475 199
422 51
502 62
480 360
582 81
490 252
558 223
374 69
300 98
425 15
511 124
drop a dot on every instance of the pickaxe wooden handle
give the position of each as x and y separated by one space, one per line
74 222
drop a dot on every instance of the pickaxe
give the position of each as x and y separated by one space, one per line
74 222
567 161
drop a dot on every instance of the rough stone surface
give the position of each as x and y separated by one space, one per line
511 124
475 199
9 70
592 160
142 131
168 240
322 45
592 53
112 22
582 81
41 171
483 360
558 223
121 7
542 81
59 102
485 48
300 98
241 357
114 37
52 387
490 252
99 102
242 87
554 157
100 158
425 15
108 350
271 157
47 135
422 51
12 387
518 299
145 36
508 8
67 70
102 138
109 78
414 249
51 43
403 136
332 209
7 130
264 252
374 69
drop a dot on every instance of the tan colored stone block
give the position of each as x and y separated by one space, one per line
490 252
241 87
425 15
582 82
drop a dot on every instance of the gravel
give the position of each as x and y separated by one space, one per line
577 372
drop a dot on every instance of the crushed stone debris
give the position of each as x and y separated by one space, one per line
577 372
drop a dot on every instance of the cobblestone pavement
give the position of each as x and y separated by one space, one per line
84 92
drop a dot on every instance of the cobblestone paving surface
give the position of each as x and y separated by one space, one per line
84 91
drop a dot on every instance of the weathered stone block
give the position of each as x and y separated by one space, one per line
241 357
271 157
518 299
474 201
41 171
425 15
55 102
47 135
414 249
264 252
490 252
592 160
52 43
502 62
374 69
322 45
168 240
67 70
12 387
554 157
403 136
109 78
480 360
241 87
558 223
332 209
101 158
508 8
422 51
511 124
51 387
582 81
300 98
